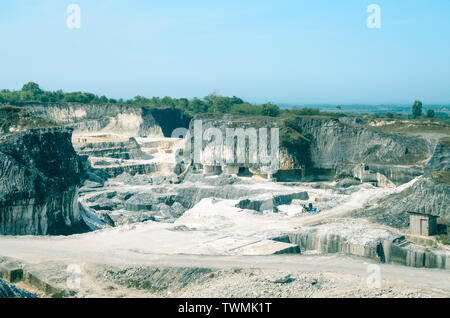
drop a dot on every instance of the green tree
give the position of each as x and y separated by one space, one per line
236 100
30 92
183 103
168 102
270 110
430 113
44 98
221 105
140 100
197 106
417 109
156 102
59 96
31 87
211 98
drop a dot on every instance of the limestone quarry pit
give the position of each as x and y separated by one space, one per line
104 192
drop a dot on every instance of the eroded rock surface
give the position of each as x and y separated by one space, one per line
8 290
120 119
426 195
39 178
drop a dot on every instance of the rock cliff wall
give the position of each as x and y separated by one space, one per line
440 160
426 195
39 178
235 141
113 118
350 238
334 148
340 146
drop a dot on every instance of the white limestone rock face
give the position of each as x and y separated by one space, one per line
113 118
118 119
376 243
342 237
330 148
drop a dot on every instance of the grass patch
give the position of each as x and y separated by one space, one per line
444 239
16 117
416 127
441 177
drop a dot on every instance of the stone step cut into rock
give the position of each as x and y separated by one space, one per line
342 237
11 271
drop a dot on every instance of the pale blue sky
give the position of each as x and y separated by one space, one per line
281 51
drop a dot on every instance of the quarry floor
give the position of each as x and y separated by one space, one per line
211 227
153 275
218 250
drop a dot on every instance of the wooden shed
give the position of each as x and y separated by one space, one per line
422 223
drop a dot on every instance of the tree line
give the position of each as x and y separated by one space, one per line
416 110
32 93
213 103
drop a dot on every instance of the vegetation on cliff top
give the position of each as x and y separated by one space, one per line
211 104
16 119
295 140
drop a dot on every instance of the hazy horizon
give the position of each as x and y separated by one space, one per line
345 107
